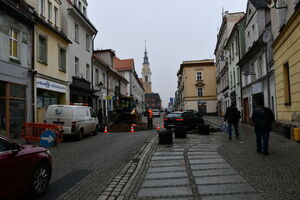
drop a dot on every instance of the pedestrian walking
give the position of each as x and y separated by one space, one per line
150 118
232 116
262 118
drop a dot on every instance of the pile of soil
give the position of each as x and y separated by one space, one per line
125 127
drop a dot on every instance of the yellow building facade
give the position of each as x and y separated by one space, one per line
286 50
51 84
198 80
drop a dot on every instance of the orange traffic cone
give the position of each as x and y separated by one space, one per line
131 129
157 127
105 130
163 125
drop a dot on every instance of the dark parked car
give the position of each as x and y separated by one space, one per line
187 119
24 169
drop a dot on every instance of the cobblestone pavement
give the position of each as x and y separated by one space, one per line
82 169
276 176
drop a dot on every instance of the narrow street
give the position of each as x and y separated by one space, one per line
82 169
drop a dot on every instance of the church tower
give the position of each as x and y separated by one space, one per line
146 73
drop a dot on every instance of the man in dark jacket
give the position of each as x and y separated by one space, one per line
262 118
232 116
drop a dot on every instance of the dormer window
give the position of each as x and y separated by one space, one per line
79 5
84 11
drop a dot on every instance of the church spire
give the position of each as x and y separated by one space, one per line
146 61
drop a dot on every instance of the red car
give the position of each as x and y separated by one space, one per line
24 169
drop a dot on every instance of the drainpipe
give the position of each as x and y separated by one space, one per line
92 68
33 72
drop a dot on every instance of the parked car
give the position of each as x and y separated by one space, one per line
76 120
186 119
24 169
156 113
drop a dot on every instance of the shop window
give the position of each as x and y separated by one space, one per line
42 50
2 89
13 43
44 99
17 91
286 82
2 117
62 59
17 117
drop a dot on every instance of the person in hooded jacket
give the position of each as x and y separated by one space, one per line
232 116
262 118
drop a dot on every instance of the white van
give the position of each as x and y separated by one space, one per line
76 120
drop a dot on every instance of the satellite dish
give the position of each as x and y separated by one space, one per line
271 3
267 36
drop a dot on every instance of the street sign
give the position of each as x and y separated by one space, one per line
47 139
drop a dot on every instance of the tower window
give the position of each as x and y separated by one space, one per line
146 79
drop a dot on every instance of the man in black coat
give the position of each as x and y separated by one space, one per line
262 118
232 116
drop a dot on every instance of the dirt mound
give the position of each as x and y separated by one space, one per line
125 127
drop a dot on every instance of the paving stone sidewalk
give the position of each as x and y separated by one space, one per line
192 169
276 176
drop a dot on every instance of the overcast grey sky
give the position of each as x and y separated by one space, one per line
175 30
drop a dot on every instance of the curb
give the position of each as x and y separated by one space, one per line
120 186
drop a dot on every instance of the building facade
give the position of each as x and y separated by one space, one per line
286 47
77 27
197 86
135 88
16 66
258 82
234 50
223 91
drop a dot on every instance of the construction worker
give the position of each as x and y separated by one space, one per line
150 118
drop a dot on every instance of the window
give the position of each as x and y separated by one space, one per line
62 59
42 49
75 2
286 82
200 92
96 77
88 42
13 43
104 82
199 76
76 66
84 11
259 67
87 72
42 7
79 5
55 16
146 78
49 11
76 33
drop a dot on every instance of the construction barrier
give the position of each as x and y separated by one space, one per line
31 132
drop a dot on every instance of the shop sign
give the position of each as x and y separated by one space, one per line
50 85
108 97
257 88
